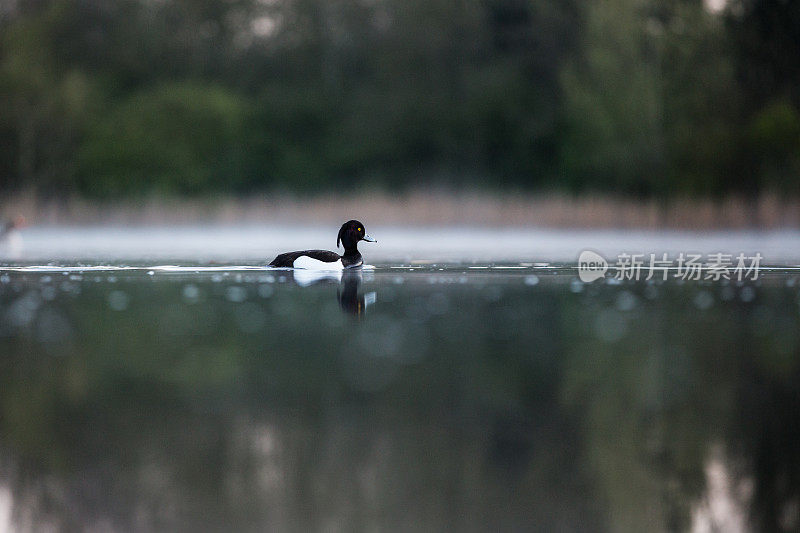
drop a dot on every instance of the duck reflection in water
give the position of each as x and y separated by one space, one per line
350 300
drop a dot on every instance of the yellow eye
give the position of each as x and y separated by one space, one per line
359 229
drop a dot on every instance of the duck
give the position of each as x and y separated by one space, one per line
349 236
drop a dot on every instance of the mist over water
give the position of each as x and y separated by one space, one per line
258 244
446 396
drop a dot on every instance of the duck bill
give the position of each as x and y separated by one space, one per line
368 238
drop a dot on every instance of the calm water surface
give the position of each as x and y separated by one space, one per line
434 397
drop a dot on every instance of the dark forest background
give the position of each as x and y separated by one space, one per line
635 97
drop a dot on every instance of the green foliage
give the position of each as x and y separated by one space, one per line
775 135
287 131
177 138
628 96
614 101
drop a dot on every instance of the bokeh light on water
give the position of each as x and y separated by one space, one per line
436 397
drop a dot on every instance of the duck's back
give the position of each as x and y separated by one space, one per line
288 259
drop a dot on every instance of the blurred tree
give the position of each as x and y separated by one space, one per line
766 34
174 138
649 102
700 99
628 96
42 103
614 113
774 136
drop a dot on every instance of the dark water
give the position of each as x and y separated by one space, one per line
439 398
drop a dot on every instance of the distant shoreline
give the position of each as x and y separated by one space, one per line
417 208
